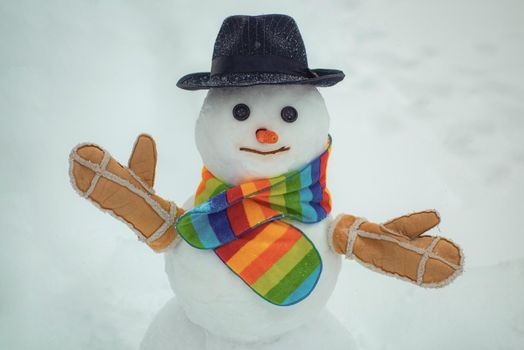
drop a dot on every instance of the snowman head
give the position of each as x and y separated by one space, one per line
261 131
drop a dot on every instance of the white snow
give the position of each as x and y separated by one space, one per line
170 327
430 115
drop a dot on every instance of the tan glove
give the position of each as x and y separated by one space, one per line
126 192
397 248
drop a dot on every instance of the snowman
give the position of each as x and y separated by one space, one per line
255 254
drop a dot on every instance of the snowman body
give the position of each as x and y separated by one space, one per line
223 304
213 299
217 311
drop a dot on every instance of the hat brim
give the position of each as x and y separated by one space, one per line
203 81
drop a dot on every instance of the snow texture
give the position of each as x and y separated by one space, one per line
172 330
430 115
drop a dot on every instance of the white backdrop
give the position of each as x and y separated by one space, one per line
430 115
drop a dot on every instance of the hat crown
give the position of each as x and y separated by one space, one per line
255 50
265 35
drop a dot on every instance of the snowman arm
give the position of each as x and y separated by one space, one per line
126 192
398 248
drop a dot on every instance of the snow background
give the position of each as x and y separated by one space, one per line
430 115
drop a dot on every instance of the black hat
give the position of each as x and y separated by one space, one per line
254 50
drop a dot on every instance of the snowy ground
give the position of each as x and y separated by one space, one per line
431 115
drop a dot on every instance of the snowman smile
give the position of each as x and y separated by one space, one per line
265 153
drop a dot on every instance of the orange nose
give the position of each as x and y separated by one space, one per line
267 136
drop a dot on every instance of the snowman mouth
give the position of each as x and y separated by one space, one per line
265 153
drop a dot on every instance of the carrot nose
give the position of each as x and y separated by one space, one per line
267 136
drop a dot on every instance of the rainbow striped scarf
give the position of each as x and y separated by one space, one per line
244 226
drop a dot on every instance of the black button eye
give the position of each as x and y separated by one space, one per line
289 114
241 112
